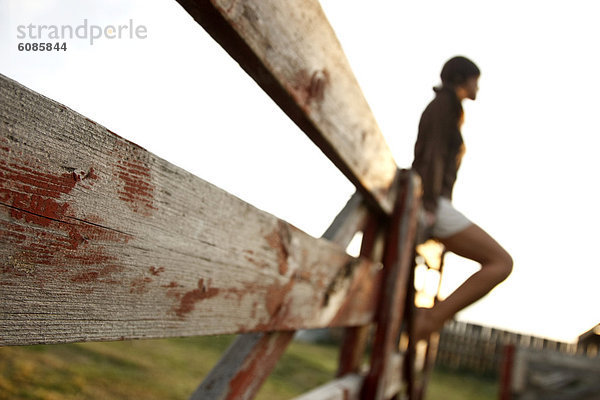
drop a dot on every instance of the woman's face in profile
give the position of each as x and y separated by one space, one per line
471 87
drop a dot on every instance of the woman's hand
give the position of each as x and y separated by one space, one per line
426 322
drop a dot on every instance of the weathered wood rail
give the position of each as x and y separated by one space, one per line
102 240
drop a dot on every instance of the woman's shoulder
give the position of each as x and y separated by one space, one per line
445 102
441 103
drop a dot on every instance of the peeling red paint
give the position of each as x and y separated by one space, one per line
86 277
62 241
173 291
276 295
259 264
238 293
35 196
258 365
91 174
277 303
100 275
361 297
309 87
189 299
46 238
157 271
253 312
82 175
140 285
32 195
303 275
37 209
136 188
279 240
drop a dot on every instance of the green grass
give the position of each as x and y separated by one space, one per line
450 385
172 369
149 369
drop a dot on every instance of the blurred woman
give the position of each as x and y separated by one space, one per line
438 152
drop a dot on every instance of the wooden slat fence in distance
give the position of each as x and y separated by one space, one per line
292 52
103 240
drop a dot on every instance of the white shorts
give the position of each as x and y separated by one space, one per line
448 220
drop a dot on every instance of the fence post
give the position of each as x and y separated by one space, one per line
397 264
355 338
507 371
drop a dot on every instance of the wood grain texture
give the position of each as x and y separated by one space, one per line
250 359
102 240
291 51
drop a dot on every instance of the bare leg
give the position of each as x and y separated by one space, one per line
496 264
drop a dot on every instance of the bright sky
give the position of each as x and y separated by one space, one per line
531 169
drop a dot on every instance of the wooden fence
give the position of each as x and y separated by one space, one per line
481 349
103 240
549 375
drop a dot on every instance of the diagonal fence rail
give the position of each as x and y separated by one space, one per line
291 51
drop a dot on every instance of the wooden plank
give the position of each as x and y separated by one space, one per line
506 373
344 388
351 219
397 262
410 373
251 357
393 381
352 349
355 338
242 370
292 52
102 240
348 387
